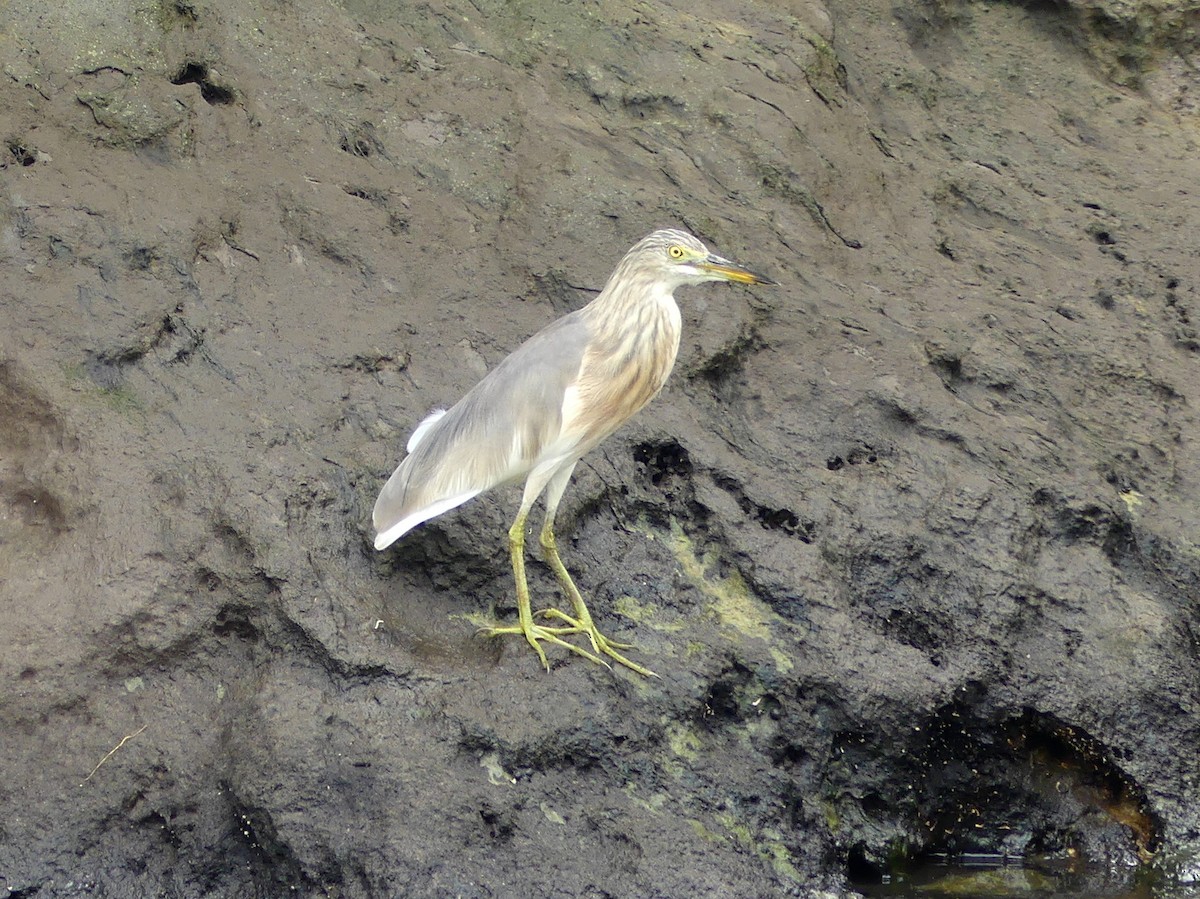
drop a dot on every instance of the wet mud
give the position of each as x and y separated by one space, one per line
911 537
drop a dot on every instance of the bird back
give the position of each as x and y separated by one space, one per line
494 435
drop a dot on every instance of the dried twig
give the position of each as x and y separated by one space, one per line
110 752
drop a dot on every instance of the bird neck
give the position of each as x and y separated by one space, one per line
636 326
633 337
627 310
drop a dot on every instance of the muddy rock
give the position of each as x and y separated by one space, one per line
911 537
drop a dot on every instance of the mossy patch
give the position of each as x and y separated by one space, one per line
739 611
645 614
1132 500
119 398
769 847
684 741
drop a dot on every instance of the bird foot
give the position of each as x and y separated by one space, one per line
575 626
535 633
600 643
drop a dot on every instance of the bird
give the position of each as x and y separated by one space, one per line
546 405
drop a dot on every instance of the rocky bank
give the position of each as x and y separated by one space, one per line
911 537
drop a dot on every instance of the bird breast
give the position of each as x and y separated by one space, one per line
628 359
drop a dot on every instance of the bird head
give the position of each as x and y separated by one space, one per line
679 258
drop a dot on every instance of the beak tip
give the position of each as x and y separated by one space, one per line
756 279
732 271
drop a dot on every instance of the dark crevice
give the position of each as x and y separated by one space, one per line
663 461
362 140
771 518
1023 786
24 154
863 454
198 73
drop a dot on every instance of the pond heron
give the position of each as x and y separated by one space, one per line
551 401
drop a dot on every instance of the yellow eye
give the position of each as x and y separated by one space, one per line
675 252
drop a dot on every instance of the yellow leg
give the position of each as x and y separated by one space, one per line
554 481
582 622
530 631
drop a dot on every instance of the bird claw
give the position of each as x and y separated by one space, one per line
575 626
536 633
600 643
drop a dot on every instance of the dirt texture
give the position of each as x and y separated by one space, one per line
911 537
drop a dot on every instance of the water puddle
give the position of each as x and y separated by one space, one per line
988 876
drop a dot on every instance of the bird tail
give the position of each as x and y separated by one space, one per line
394 532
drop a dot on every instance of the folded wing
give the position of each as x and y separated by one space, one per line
495 434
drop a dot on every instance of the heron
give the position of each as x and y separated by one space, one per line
550 402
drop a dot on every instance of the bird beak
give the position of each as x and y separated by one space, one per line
731 271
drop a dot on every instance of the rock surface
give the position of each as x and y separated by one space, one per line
911 537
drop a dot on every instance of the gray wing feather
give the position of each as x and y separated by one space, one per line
491 436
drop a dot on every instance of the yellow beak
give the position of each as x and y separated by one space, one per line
731 271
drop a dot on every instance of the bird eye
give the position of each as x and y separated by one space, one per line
675 252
